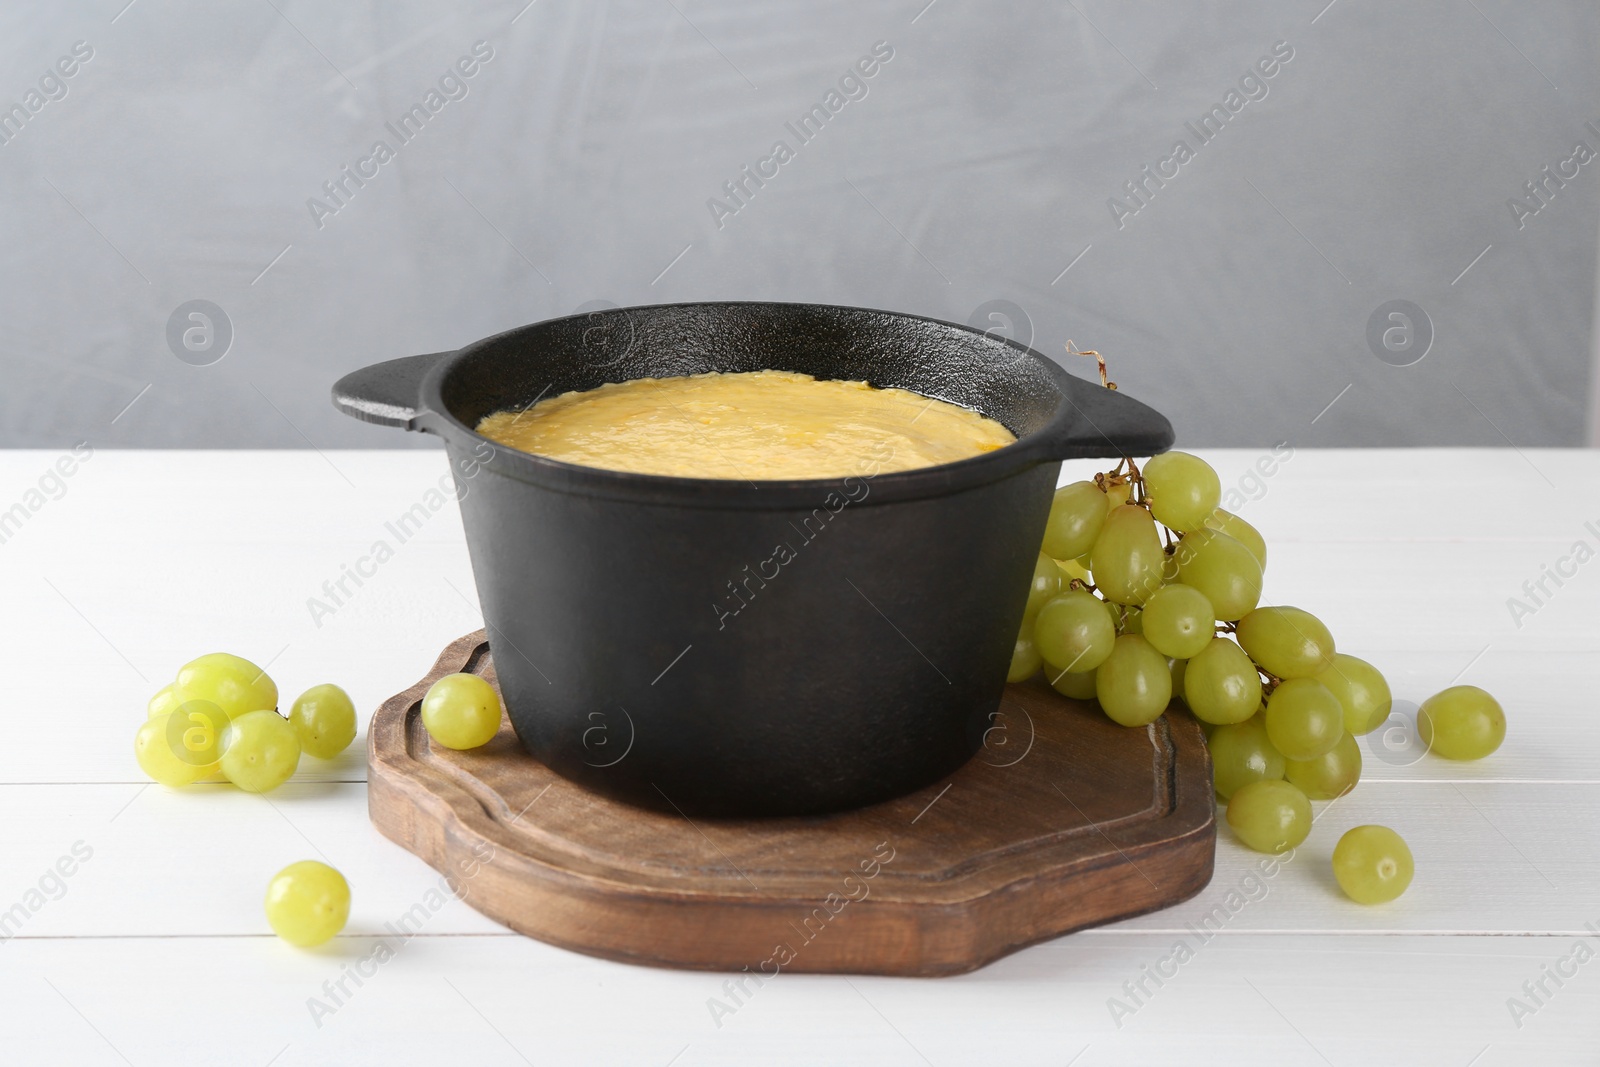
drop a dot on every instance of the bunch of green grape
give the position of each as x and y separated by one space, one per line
1146 591
219 716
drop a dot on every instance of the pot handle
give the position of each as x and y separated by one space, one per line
1106 423
387 393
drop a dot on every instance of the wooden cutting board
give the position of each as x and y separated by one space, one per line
1062 820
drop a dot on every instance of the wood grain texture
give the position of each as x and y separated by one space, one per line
1062 821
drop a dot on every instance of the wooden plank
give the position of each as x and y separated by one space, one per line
1257 999
1421 611
196 861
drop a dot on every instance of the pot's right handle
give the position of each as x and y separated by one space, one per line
387 393
1105 423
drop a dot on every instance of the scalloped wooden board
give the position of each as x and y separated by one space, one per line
1063 820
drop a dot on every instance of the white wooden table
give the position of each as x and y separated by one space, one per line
155 949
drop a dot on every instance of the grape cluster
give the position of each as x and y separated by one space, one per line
219 716
1146 591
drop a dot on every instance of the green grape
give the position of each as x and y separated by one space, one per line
1133 685
1182 490
232 683
1287 642
461 711
261 752
1126 560
1462 722
1117 495
1362 692
1045 583
157 757
1269 815
1242 753
1304 719
325 719
1221 685
1178 620
195 733
1373 865
1235 527
1222 569
165 701
1176 668
1078 685
307 903
1076 515
1074 631
1332 774
1025 658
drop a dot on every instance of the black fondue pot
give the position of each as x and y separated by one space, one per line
741 648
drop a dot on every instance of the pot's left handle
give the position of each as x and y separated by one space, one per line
387 393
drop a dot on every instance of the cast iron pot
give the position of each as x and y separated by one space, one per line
743 648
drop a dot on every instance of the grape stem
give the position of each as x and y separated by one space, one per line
1072 350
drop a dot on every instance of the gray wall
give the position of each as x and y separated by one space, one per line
977 167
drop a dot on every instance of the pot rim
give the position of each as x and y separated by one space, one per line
1141 431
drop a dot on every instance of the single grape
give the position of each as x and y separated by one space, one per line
1126 560
1362 692
307 903
461 711
1182 489
1269 815
1287 642
1304 719
1076 515
165 701
1332 774
1178 620
1025 658
232 683
261 751
1117 495
1222 569
1133 685
1221 685
1078 686
196 732
1235 527
1045 583
325 719
1176 668
1242 753
1074 631
1462 722
1373 864
157 757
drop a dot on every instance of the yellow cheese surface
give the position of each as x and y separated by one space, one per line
760 425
